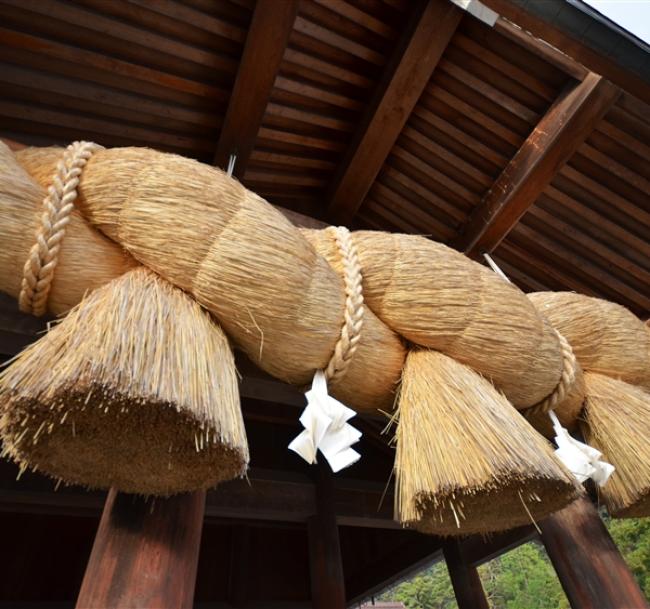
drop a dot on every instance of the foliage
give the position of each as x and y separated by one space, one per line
523 578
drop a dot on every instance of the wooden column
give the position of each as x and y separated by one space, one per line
327 580
464 578
145 554
591 570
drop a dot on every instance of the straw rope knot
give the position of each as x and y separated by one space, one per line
565 383
353 315
38 272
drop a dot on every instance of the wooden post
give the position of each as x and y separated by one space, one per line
145 554
327 580
464 578
591 570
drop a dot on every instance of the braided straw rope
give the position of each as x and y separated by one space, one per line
38 271
353 317
565 384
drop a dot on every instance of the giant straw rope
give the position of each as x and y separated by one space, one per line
294 304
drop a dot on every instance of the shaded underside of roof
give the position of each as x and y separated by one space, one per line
384 114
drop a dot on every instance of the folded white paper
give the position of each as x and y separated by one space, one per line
326 428
582 460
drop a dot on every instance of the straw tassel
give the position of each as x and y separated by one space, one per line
617 423
466 461
135 368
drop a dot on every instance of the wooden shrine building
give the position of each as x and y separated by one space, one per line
513 127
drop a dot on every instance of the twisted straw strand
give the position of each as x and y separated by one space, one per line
38 272
565 384
353 315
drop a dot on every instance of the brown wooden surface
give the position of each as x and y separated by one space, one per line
581 53
553 141
327 580
161 75
145 553
265 44
464 578
590 567
414 60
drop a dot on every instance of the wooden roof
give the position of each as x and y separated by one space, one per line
397 115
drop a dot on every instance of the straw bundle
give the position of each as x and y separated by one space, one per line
617 422
438 298
377 344
136 388
606 338
239 257
87 259
466 461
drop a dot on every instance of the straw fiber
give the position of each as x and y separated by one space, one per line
466 461
378 343
136 389
617 422
240 258
606 338
439 298
87 259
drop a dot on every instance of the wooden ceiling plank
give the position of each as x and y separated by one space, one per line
473 113
468 142
556 137
508 69
596 225
422 44
598 252
554 39
131 75
266 41
608 280
540 48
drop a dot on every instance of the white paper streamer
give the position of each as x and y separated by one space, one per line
582 460
326 428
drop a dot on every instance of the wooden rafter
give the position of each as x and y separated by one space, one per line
423 42
579 51
559 133
266 41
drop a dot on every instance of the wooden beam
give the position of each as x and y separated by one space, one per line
145 553
464 578
553 36
542 49
423 42
268 496
266 41
590 567
561 131
325 565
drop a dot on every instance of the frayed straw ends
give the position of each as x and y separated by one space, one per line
617 422
136 388
466 461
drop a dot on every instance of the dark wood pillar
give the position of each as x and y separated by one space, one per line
464 578
145 554
327 580
591 570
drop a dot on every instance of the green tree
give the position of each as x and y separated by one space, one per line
632 536
524 577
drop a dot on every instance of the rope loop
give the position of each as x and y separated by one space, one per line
353 314
564 385
38 272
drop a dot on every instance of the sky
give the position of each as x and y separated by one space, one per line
633 15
